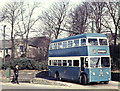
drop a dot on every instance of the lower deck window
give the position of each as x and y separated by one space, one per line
105 62
49 62
86 62
59 62
55 62
64 62
69 62
75 62
94 62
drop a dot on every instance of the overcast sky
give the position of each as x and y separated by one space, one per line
44 4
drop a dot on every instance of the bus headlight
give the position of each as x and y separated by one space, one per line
107 73
93 73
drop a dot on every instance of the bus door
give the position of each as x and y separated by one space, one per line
82 63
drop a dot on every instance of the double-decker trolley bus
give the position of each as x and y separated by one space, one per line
84 58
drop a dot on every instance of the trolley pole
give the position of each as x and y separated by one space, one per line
4 43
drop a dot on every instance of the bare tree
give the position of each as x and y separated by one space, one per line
10 14
96 13
28 21
113 9
78 19
53 18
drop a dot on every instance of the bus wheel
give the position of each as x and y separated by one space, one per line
106 82
83 79
57 76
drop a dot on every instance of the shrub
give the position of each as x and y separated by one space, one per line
25 63
114 53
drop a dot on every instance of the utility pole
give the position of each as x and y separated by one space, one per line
4 43
92 26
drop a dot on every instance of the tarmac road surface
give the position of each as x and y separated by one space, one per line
111 85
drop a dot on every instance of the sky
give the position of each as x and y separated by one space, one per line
45 4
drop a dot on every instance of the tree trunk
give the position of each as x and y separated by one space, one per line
13 44
26 44
115 36
12 48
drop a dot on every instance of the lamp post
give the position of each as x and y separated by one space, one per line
92 26
4 43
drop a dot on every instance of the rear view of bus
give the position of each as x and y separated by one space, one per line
84 58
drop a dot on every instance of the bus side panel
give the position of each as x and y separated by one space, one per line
87 73
72 73
60 69
101 74
83 51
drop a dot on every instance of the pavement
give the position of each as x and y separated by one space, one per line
49 83
69 85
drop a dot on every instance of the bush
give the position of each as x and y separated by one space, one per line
114 53
25 63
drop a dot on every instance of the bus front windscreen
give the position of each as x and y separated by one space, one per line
94 62
105 62
92 42
103 41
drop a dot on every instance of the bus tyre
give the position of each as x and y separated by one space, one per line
57 76
83 79
106 82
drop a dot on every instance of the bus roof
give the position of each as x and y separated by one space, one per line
85 35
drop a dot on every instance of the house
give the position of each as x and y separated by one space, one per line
37 48
7 49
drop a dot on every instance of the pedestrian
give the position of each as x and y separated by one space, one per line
16 73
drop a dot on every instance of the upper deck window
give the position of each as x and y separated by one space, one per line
103 41
70 43
92 42
83 42
76 43
51 46
55 45
64 44
59 45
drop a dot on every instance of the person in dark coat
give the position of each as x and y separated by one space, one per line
16 72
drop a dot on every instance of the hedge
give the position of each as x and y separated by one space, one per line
25 63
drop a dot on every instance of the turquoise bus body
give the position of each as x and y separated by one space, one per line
98 74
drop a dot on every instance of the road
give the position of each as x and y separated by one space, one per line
111 85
